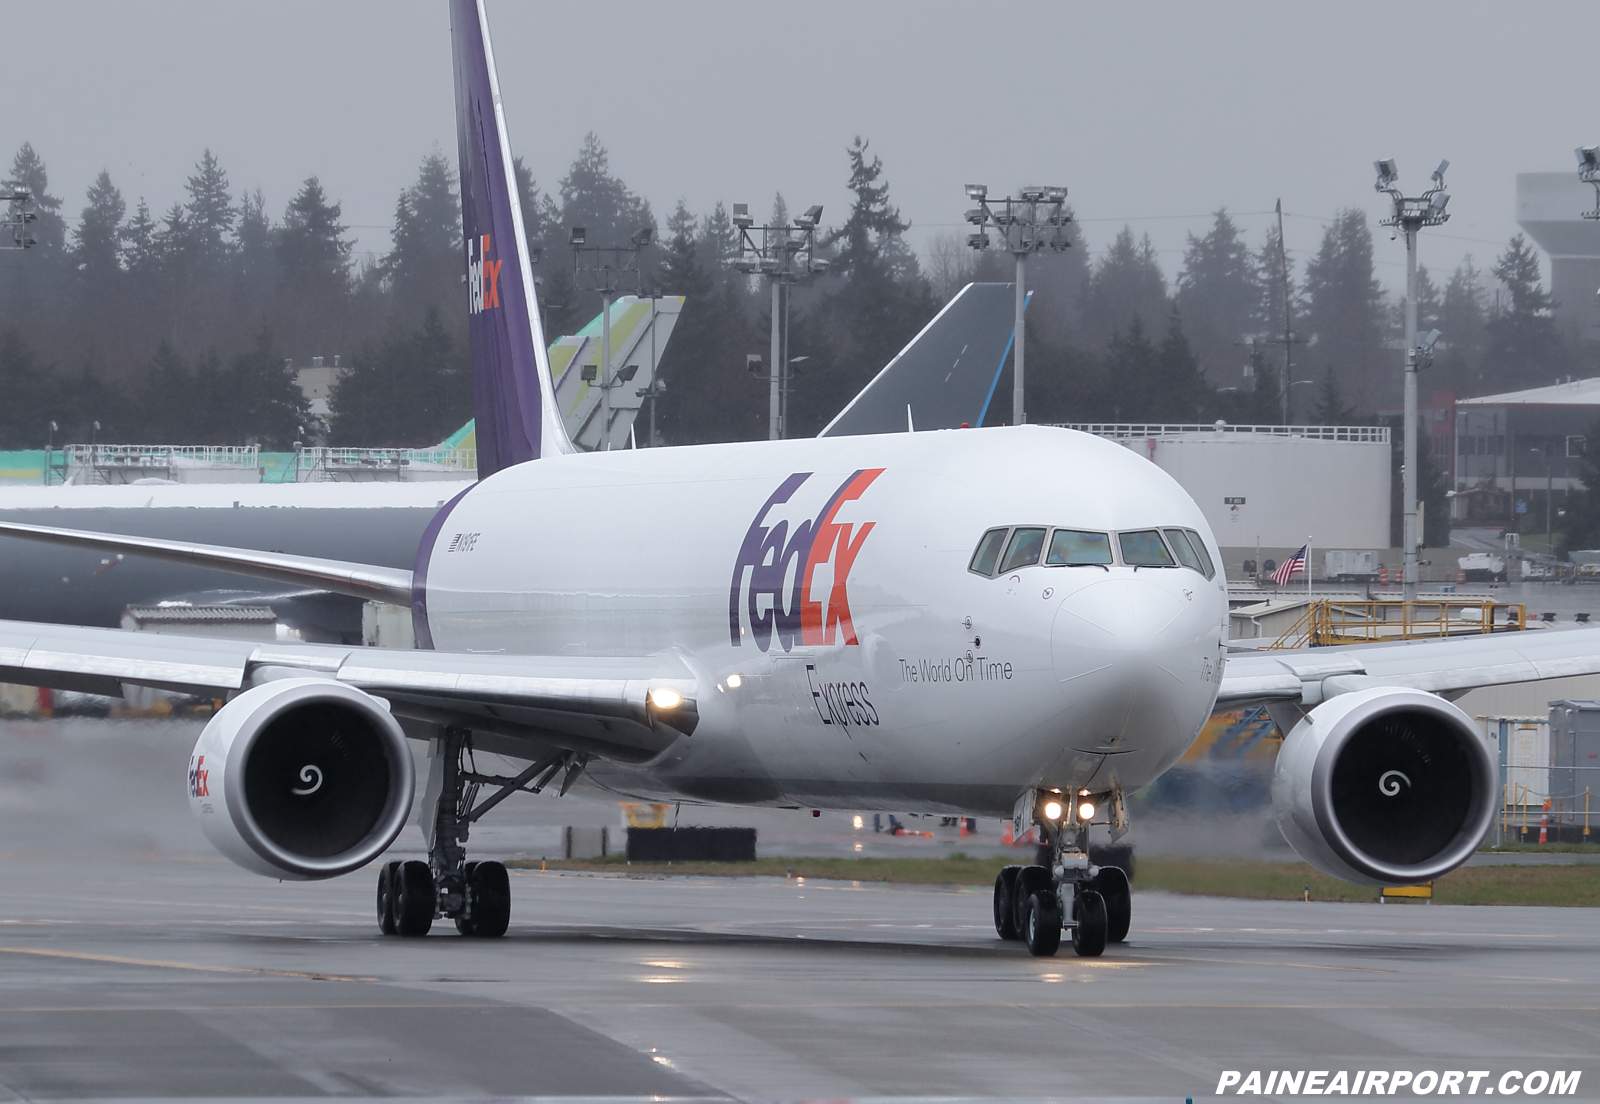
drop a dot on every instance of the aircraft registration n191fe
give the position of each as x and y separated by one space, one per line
1022 621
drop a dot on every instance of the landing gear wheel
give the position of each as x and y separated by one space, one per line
1005 892
415 902
489 899
465 917
1112 884
1042 932
386 895
1030 880
1089 934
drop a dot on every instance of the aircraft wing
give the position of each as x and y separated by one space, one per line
625 708
1448 667
381 584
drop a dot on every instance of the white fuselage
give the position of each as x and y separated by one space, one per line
847 657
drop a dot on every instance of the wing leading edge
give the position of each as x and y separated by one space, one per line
618 708
1448 667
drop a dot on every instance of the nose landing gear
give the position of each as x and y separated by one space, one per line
1034 903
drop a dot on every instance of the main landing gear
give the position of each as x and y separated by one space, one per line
1034 903
476 895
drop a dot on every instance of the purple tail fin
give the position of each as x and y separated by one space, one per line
511 395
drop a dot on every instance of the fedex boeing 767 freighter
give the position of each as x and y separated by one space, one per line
1023 622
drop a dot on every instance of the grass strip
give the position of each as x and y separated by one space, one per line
1269 881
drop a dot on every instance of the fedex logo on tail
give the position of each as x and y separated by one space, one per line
775 574
483 276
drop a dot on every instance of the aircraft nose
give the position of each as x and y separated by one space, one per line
1117 647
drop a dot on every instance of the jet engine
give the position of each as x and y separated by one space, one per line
1386 786
302 778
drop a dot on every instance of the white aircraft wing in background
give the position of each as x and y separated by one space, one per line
1447 667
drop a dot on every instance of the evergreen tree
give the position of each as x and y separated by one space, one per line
255 262
257 399
1273 282
1130 373
97 241
1127 284
719 243
1345 312
166 406
1179 392
209 214
23 414
1524 348
1330 408
870 243
1461 321
1218 293
311 242
409 392
425 265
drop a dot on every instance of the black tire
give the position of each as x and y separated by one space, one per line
463 918
1089 933
1112 884
1005 890
386 902
415 902
1042 933
489 891
1030 880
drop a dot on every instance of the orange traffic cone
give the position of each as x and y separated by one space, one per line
1461 575
1005 837
1544 823
1383 574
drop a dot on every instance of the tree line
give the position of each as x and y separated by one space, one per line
179 327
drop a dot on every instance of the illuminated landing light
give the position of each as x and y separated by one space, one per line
1052 810
665 697
855 822
734 681
1086 811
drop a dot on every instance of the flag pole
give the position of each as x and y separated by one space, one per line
1308 570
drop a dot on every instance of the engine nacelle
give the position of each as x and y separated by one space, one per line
302 778
1386 786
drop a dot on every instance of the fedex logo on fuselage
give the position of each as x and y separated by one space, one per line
775 591
483 276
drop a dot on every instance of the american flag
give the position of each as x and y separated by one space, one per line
1290 567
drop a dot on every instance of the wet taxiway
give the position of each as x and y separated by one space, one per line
134 963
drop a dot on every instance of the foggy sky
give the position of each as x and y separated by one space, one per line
1151 114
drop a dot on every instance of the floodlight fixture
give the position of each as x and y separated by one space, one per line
1388 172
977 216
1426 342
977 191
590 373
627 372
1056 195
752 363
978 241
820 264
643 236
1438 174
1439 202
1033 193
577 236
812 216
741 216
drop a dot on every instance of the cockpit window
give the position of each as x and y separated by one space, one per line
1144 548
1184 550
988 553
1074 548
1026 544
1200 550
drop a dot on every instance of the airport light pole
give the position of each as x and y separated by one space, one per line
19 213
611 267
1028 222
1411 214
783 255
1589 173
